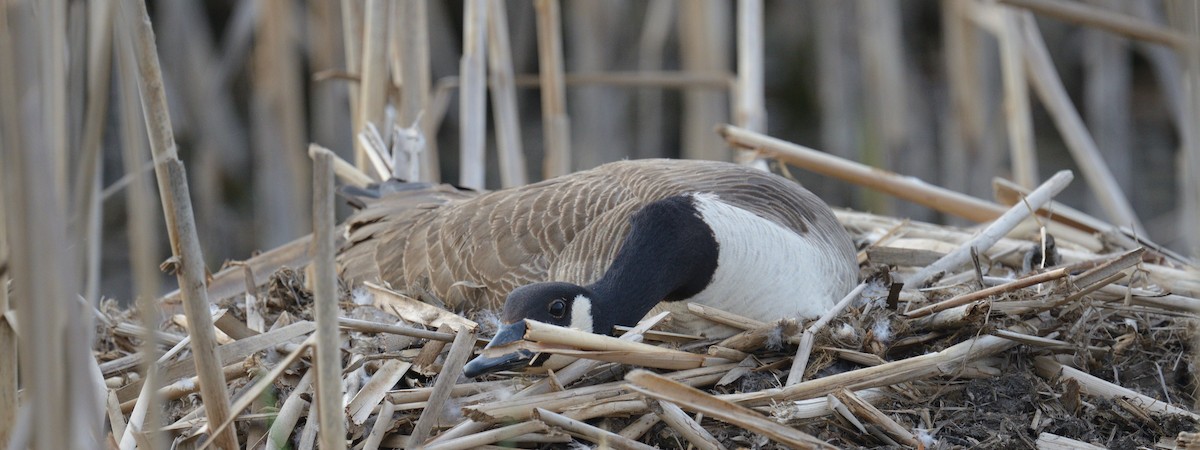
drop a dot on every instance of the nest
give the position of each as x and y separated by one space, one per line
1038 342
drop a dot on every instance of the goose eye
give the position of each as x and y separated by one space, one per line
558 308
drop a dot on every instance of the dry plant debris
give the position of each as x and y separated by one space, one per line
1000 353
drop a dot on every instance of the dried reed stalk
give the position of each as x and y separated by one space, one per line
226 354
641 426
659 387
490 436
520 408
556 126
415 85
10 140
996 230
1018 118
186 248
655 31
588 432
1049 441
887 116
750 110
863 409
383 422
325 297
988 292
1052 370
414 310
504 98
910 369
460 350
414 395
250 395
940 199
472 106
1085 14
180 223
724 317
704 36
373 78
85 195
365 326
800 362
279 436
34 262
956 317
1040 69
374 391
344 170
678 420
559 340
1186 18
567 375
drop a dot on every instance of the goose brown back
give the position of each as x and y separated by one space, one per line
470 250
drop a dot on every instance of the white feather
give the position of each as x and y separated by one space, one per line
581 314
764 271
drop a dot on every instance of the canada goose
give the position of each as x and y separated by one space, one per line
603 247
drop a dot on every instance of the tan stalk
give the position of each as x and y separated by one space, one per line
556 126
504 98
328 363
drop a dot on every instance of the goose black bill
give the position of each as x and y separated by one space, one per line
507 334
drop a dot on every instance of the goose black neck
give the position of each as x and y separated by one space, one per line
669 254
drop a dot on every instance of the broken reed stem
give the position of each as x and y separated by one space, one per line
862 409
917 367
662 388
138 61
325 293
383 422
373 79
588 432
490 436
368 398
186 249
556 126
558 340
640 426
994 231
725 317
504 98
460 350
366 326
472 106
1086 14
345 171
678 420
1052 370
985 293
800 362
900 186
1049 87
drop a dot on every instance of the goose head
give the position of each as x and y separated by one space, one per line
670 253
562 304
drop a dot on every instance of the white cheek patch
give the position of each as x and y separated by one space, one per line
581 314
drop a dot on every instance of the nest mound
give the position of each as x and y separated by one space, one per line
1092 349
